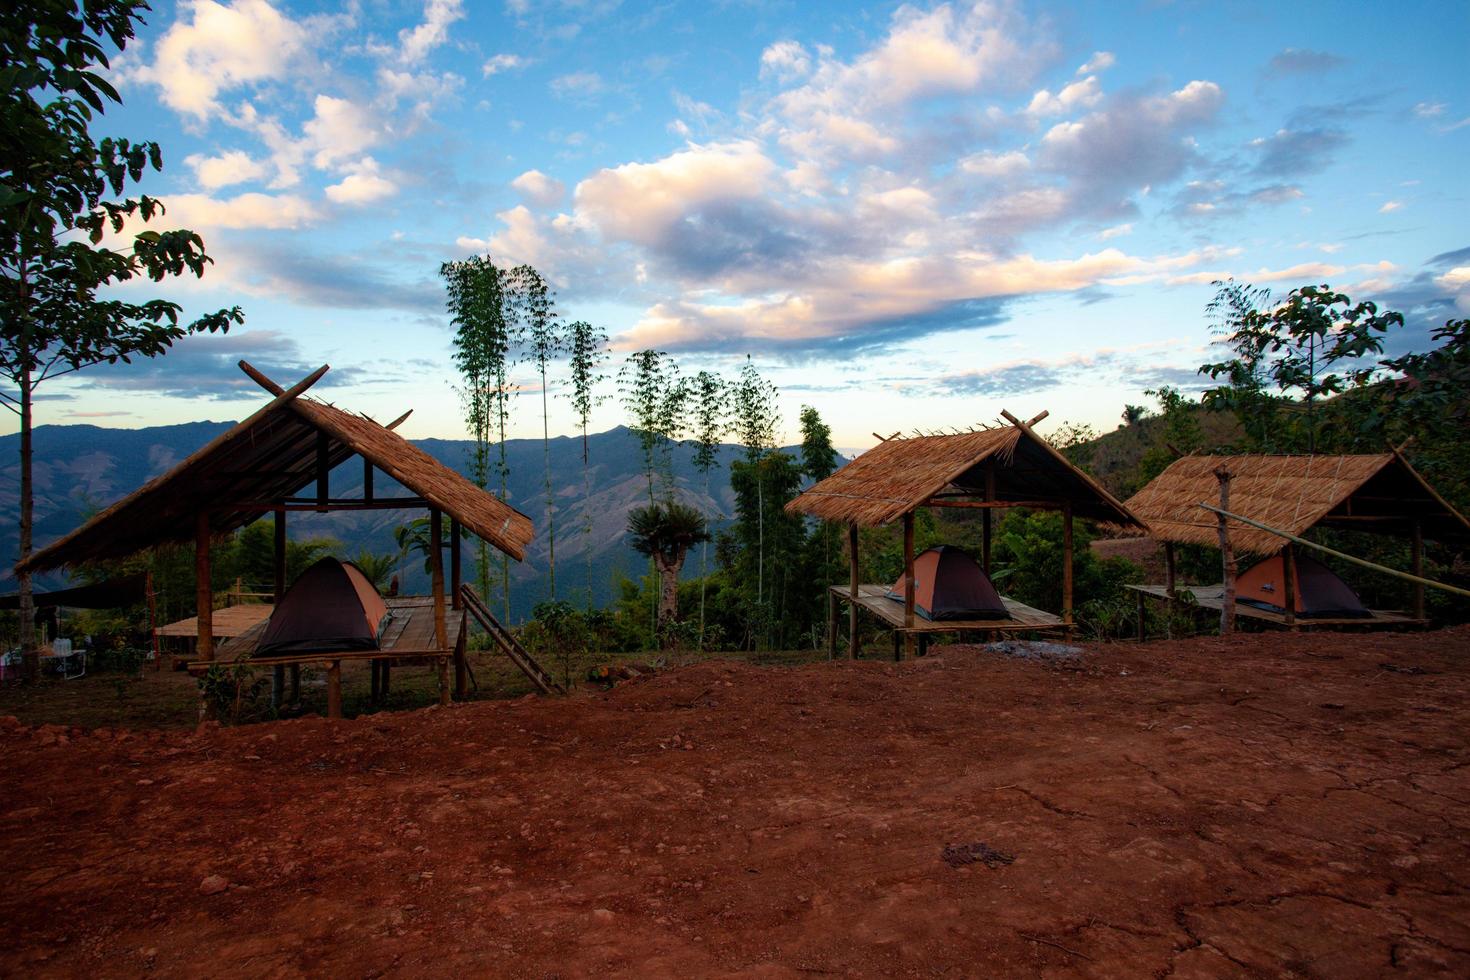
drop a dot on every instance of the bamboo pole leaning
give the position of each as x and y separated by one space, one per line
1365 563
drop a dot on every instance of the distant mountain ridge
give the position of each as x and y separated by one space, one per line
80 469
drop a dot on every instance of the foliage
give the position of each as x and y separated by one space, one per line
230 690
1181 432
769 550
818 458
486 333
1074 440
654 395
55 181
665 532
535 305
377 569
1316 343
586 348
559 632
709 410
1026 562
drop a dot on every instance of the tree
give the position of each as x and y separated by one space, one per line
1133 414
654 396
536 306
665 532
753 408
1316 342
818 458
54 183
709 410
485 334
377 569
586 355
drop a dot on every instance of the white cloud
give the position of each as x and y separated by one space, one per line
1100 61
215 47
1390 206
414 44
996 165
539 189
1078 95
364 185
340 129
1116 231
199 211
503 62
1457 282
230 167
577 85
786 61
1429 110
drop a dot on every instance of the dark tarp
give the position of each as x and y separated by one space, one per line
1319 592
949 584
332 606
111 594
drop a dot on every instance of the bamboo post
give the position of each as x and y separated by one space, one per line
1067 618
852 594
1227 556
334 689
1170 589
1416 566
436 578
985 518
278 590
831 625
203 594
908 585
153 620
1142 634
461 665
455 573
367 479
1288 583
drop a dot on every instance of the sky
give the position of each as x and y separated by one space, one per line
909 216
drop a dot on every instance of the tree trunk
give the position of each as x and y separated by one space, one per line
30 655
668 601
550 500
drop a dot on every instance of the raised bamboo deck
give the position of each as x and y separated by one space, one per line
409 635
225 624
874 599
1213 597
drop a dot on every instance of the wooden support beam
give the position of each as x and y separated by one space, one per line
1416 567
300 504
908 584
367 479
831 625
444 698
455 569
278 562
461 664
203 594
323 470
1142 620
852 601
985 518
1170 589
1227 557
334 689
436 577
276 389
995 504
1288 579
1067 617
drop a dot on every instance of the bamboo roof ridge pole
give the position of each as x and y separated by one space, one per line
852 593
1365 563
1227 557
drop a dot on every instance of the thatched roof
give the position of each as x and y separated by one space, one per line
271 456
901 475
1380 493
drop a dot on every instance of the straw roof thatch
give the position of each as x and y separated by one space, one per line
270 456
1380 493
901 475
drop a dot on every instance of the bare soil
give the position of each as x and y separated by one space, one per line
1282 805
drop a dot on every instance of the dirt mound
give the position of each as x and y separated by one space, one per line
1259 805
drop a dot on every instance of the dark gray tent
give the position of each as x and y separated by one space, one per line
1319 592
332 606
949 584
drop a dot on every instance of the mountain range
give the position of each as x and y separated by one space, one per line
79 469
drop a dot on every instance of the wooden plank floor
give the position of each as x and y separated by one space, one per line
228 622
1213 597
874 598
411 628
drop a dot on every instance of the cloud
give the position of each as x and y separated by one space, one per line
340 129
206 366
785 61
1009 379
1100 61
230 167
503 62
539 189
1291 153
1116 231
414 44
1429 110
1302 61
1077 95
1390 206
251 210
996 165
364 185
370 281
215 47
579 86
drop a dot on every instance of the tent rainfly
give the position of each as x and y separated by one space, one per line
1318 590
330 606
950 584
986 469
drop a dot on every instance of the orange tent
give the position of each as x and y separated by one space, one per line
1319 592
332 606
949 584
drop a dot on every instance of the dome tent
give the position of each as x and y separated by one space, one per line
332 606
949 584
1319 591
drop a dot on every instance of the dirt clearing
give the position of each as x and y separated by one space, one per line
1264 805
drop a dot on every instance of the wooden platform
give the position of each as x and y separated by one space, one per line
409 635
1213 597
874 598
226 623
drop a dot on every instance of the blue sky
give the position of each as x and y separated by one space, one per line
909 215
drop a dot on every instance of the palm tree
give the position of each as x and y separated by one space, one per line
378 569
665 532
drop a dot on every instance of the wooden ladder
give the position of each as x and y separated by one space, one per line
507 642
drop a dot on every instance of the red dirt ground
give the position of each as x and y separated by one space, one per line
1265 805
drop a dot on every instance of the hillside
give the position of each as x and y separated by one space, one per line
81 468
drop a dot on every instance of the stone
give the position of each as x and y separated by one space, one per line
213 885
